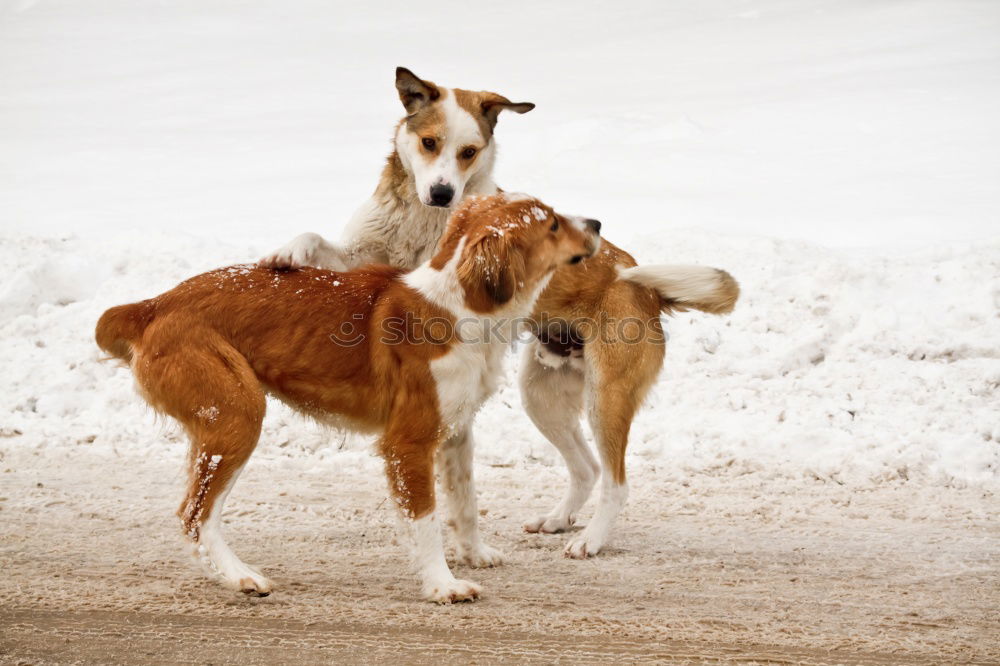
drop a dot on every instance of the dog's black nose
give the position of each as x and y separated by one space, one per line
441 195
594 225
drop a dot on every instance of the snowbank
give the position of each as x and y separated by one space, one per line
141 143
836 365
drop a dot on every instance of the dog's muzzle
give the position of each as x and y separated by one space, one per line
441 195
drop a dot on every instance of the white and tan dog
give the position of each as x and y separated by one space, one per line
444 150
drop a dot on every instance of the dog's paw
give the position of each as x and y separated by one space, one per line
255 586
232 573
582 547
452 591
247 580
302 251
482 557
548 524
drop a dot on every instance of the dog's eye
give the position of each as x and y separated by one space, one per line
429 143
555 226
469 153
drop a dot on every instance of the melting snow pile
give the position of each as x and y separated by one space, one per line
142 145
855 368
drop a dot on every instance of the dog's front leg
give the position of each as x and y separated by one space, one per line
408 448
307 249
438 584
455 463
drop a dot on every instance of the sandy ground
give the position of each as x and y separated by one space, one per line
729 567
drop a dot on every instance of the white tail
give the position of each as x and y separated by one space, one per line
682 287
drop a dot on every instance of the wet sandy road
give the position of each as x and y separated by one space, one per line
40 637
741 569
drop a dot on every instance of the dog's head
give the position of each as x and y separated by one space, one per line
446 139
503 247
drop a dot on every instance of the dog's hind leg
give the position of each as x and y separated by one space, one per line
553 398
210 388
618 377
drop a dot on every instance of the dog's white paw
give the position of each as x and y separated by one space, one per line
451 591
233 573
302 251
482 557
255 585
548 524
583 546
242 578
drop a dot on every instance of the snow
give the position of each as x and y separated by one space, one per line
839 159
852 368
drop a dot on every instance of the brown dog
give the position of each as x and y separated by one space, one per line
373 349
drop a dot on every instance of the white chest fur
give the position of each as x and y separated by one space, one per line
466 376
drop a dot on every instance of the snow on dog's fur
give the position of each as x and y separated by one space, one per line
330 344
600 368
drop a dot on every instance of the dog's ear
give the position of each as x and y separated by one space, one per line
489 273
414 92
492 104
